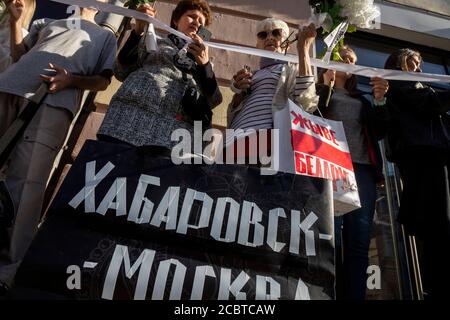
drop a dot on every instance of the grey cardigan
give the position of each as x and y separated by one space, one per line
144 110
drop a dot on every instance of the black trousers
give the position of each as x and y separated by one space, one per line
425 212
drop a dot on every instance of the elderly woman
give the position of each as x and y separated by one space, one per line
418 141
258 94
28 6
162 90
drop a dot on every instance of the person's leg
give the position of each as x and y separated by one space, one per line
436 236
26 177
357 227
10 106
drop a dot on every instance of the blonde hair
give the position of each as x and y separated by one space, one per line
30 7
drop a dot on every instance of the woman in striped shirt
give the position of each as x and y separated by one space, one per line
258 95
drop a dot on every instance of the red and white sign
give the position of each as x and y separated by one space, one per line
318 148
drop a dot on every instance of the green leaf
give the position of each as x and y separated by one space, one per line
351 28
336 56
335 10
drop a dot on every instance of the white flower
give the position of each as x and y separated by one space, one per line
360 13
323 20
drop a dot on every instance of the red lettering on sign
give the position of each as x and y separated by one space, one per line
316 128
300 165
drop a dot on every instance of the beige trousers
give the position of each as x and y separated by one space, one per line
26 174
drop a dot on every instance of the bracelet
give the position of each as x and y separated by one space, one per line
234 89
379 103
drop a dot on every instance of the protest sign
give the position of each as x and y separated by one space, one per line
129 225
316 147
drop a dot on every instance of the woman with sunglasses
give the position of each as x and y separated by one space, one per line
258 94
418 141
364 126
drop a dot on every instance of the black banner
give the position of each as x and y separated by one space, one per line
129 225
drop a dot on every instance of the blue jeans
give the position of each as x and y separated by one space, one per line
352 248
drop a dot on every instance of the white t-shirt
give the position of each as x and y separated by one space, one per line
88 50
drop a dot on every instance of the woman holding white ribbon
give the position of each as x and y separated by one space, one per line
418 141
363 125
259 94
163 89
278 78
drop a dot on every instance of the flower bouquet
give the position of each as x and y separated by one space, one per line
337 17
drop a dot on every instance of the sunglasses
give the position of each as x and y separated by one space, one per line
276 33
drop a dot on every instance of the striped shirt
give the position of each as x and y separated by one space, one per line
257 110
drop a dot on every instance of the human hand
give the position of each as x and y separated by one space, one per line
329 76
198 49
62 80
243 79
379 88
140 24
16 10
306 37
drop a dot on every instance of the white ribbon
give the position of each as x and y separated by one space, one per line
150 38
338 66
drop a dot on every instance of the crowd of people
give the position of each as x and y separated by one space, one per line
173 84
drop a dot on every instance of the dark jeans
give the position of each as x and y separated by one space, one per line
353 233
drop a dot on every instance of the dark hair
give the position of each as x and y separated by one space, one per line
186 5
397 60
351 85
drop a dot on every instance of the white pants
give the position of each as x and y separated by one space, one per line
26 174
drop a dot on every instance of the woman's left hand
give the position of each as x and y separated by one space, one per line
198 49
379 87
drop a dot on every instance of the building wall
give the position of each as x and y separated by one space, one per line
436 6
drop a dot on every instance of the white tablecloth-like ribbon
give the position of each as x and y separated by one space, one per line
338 66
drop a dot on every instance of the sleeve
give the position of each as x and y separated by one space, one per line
305 93
208 85
5 58
105 64
128 57
323 91
378 118
30 40
422 101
